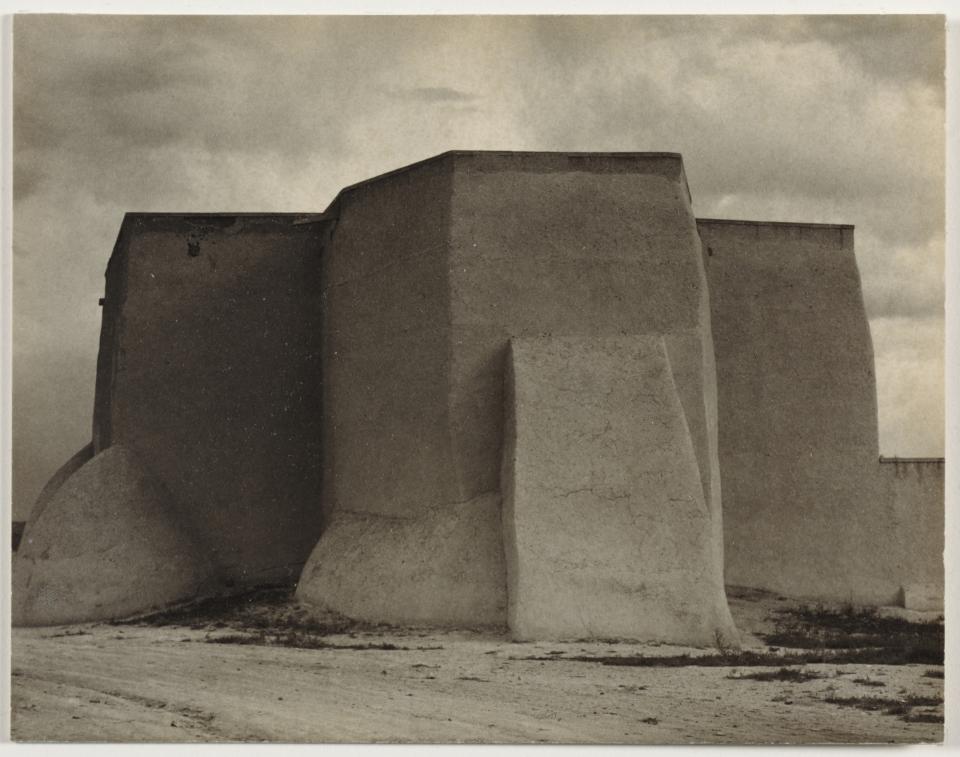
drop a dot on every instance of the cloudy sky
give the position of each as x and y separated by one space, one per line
829 119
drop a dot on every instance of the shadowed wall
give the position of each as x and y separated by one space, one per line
209 370
805 513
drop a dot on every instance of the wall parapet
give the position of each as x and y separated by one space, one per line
531 160
799 224
920 460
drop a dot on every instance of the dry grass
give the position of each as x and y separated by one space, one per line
811 634
887 640
270 610
870 656
869 682
849 635
900 707
292 639
787 675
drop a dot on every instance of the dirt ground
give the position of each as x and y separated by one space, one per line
162 683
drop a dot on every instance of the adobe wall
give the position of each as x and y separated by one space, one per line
210 373
572 245
465 252
805 513
917 488
607 532
385 331
403 545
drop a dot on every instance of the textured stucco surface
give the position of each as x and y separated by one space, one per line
442 567
573 245
917 490
406 543
209 370
496 246
385 345
569 245
805 512
108 543
607 530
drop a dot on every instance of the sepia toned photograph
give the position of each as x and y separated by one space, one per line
478 379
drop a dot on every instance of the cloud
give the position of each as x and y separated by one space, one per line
437 94
902 48
905 281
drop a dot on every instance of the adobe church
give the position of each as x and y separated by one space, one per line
521 390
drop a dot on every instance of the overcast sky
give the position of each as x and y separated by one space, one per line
829 119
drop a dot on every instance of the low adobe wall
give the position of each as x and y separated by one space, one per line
916 486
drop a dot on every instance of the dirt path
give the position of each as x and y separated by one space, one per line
108 683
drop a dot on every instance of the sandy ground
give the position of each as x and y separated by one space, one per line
138 683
